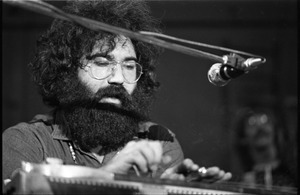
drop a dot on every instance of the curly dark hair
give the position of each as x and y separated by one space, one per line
59 50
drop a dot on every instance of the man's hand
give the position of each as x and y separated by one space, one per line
189 171
145 156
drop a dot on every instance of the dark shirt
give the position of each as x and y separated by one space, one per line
43 137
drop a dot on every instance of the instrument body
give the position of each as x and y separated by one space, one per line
70 179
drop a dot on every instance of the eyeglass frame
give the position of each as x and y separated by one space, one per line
112 65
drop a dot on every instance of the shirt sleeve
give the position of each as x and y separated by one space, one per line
19 144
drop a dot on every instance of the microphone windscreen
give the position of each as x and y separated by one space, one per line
214 75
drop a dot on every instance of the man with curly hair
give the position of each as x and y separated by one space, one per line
100 86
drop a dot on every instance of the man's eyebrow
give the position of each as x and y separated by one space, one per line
103 55
130 58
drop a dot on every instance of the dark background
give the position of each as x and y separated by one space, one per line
200 114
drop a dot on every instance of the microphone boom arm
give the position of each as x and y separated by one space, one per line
148 37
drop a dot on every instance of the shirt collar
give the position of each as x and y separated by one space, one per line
61 130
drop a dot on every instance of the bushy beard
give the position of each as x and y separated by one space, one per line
94 124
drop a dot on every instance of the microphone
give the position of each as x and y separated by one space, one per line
220 74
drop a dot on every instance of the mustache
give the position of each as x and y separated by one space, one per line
118 92
83 97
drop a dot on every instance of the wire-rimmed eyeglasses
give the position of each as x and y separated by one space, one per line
131 70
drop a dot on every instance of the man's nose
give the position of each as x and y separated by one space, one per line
116 77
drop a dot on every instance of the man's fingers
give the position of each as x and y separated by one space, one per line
154 154
226 177
140 161
150 151
185 166
211 171
214 174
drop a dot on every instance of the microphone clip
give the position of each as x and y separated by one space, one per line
240 63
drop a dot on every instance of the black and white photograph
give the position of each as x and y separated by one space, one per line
150 97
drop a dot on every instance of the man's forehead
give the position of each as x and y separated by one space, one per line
103 46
